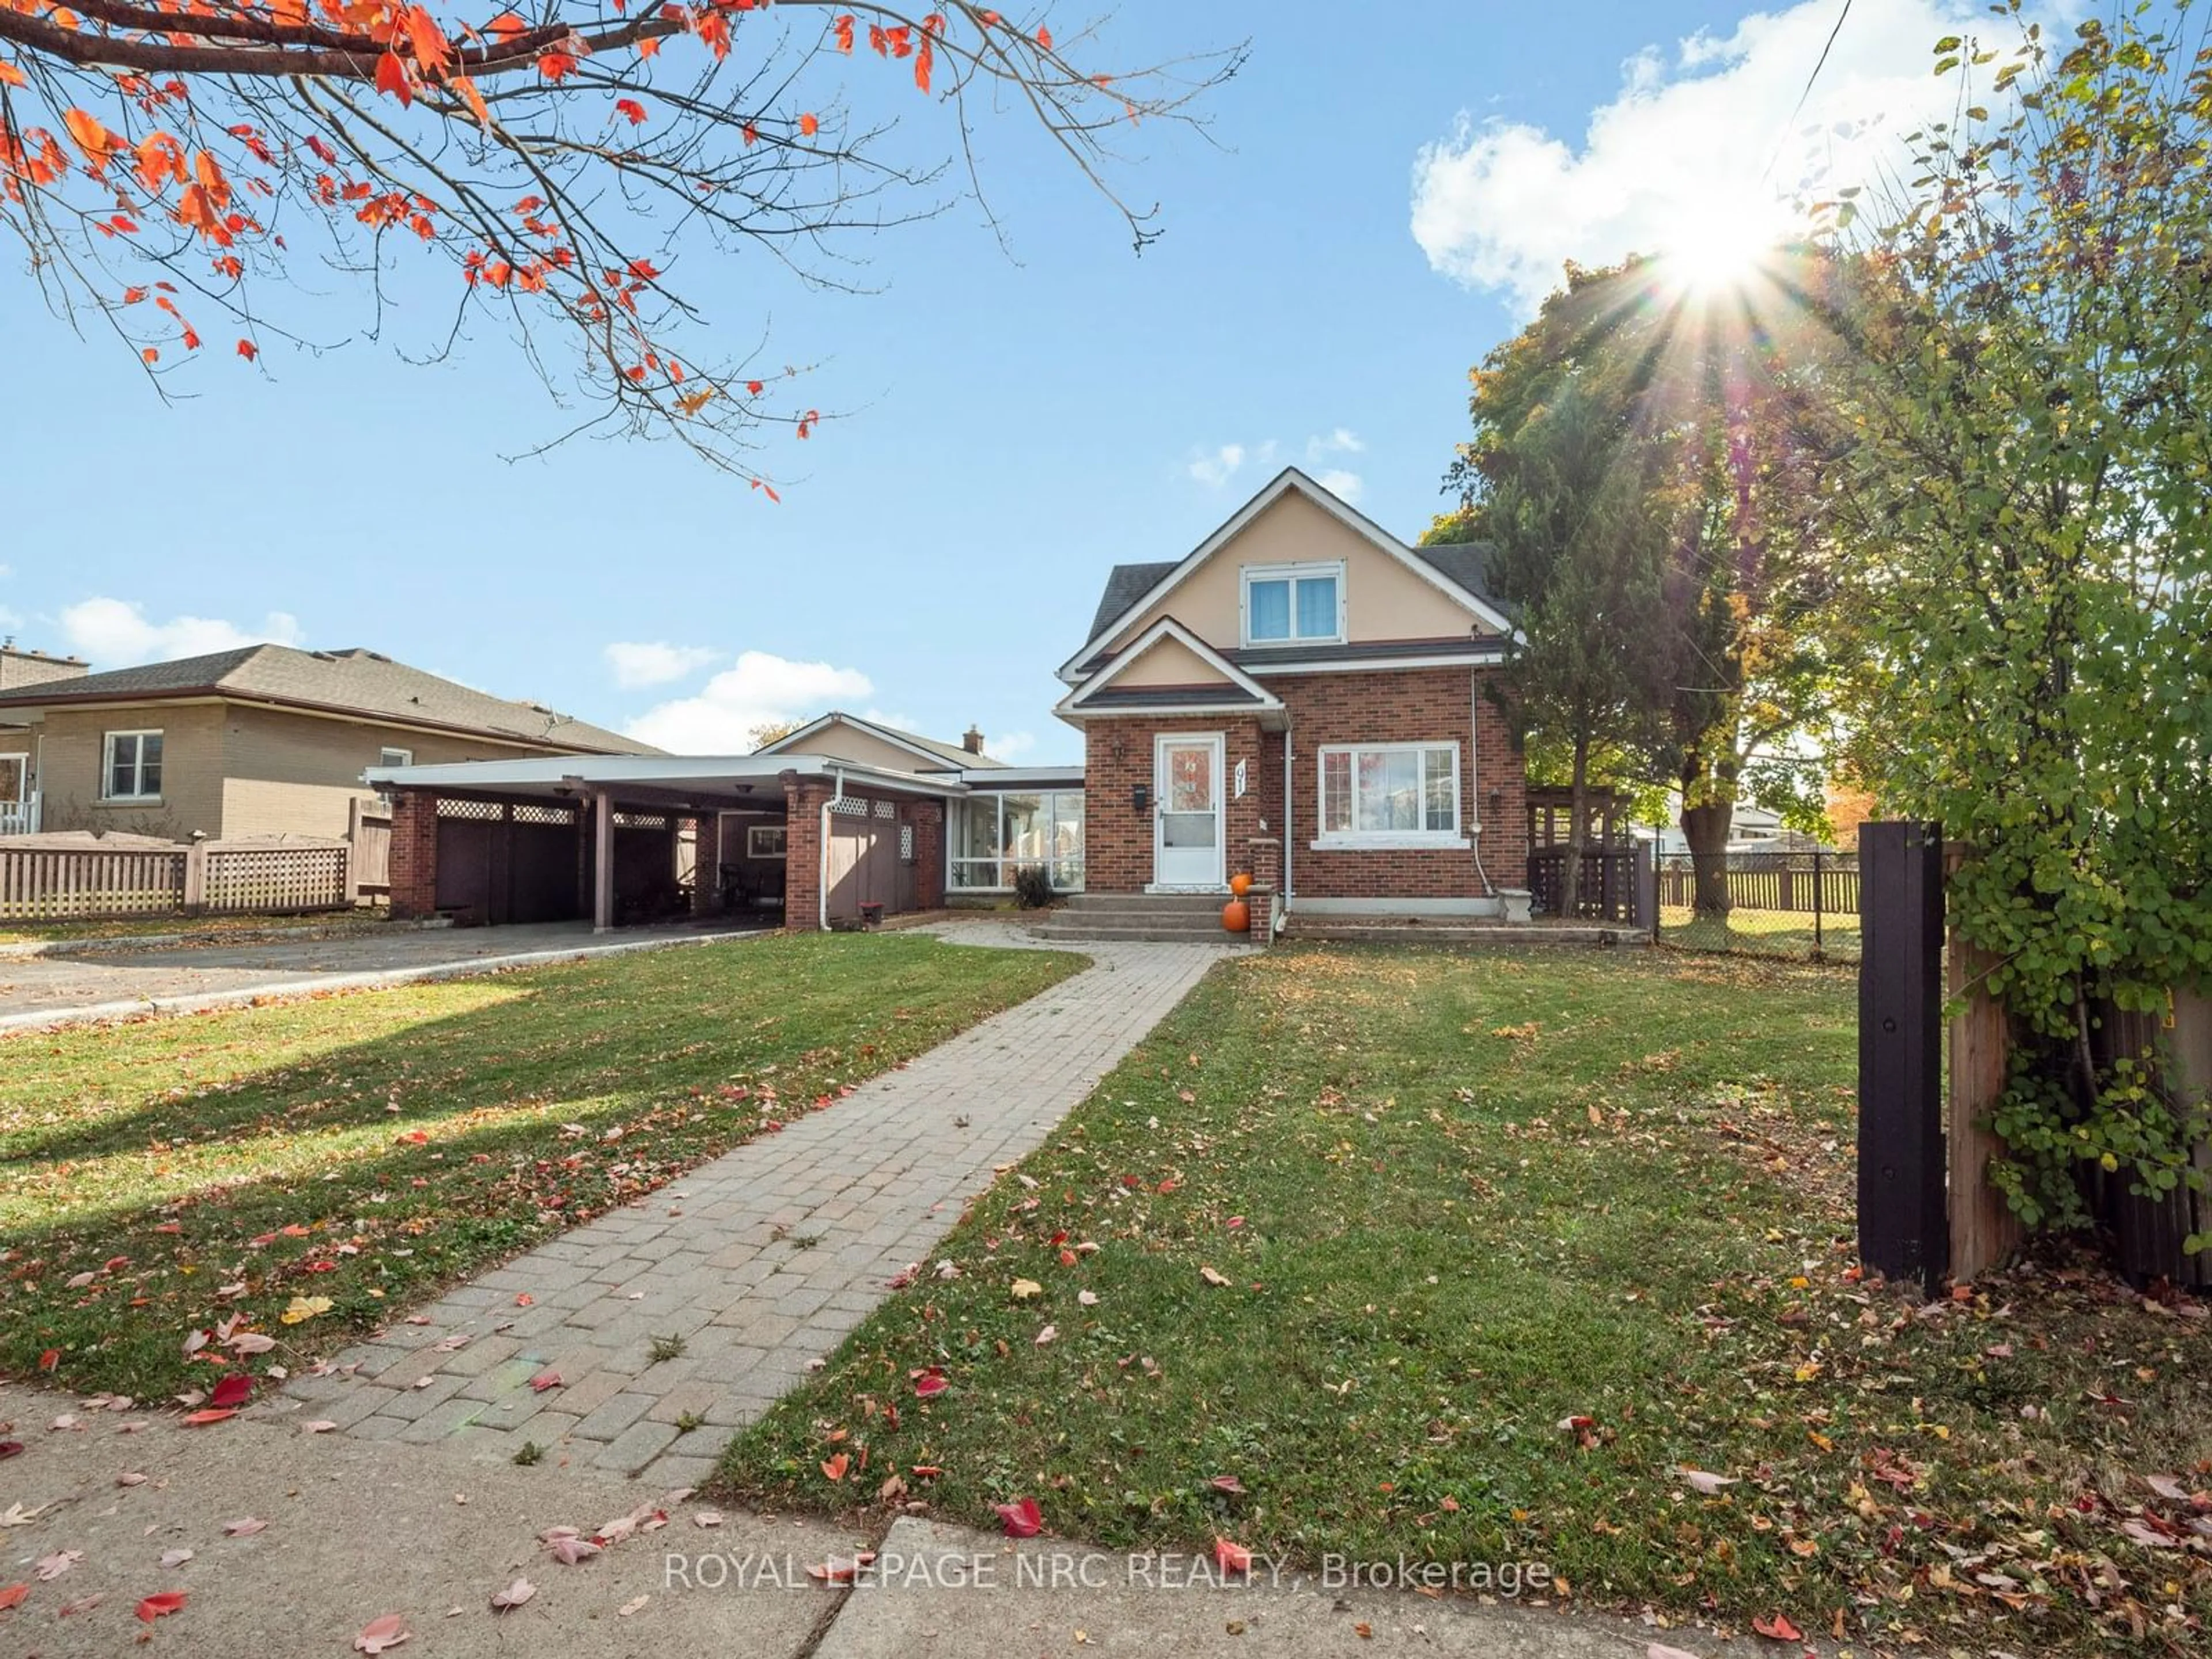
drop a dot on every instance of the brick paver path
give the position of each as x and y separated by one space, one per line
722 1257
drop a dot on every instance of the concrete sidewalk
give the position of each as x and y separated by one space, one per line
355 1530
123 982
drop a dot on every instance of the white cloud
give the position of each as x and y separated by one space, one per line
1345 486
1341 441
1217 467
1013 744
758 689
117 634
1682 152
636 663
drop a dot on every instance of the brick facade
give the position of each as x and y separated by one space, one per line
928 818
804 798
413 872
1434 706
1117 839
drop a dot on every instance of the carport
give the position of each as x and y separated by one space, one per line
636 838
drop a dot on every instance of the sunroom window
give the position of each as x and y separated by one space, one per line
1292 604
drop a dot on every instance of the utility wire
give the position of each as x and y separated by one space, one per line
1842 18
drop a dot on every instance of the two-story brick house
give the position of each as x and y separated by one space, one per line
1301 698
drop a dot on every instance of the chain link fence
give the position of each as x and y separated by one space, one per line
1802 904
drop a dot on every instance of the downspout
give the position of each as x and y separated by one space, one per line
1474 776
822 876
1282 911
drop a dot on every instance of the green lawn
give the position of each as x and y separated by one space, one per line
1508 1242
372 1148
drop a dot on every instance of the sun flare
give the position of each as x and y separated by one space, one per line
1720 240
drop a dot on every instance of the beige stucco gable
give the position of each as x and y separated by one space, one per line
1168 661
839 741
1383 599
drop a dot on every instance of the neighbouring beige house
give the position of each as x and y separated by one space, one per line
264 740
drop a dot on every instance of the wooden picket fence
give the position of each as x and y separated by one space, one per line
81 877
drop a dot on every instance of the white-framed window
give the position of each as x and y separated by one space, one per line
1390 794
130 766
1293 604
395 757
991 836
766 840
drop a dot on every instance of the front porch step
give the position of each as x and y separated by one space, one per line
1157 904
1149 933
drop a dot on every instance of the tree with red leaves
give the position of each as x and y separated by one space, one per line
165 162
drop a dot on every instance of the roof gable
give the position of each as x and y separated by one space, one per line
952 755
1125 677
1128 595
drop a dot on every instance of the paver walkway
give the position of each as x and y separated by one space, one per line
761 1260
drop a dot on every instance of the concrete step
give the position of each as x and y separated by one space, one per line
1150 903
1155 932
1349 930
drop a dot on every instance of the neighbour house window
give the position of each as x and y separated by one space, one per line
395 757
766 840
1287 604
1390 793
130 766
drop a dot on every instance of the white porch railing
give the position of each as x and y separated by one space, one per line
20 817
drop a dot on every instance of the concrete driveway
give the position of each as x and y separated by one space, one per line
91 985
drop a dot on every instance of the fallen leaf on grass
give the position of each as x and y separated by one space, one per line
1213 1277
1775 1627
1087 1299
1228 1483
380 1634
517 1593
834 1467
1711 1485
1231 1558
1023 1518
235 1389
928 1384
252 1342
50 1567
304 1307
1023 1289
161 1606
1048 1333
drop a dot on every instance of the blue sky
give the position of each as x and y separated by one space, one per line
1012 425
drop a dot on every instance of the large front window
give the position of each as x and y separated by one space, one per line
131 766
994 836
1397 795
1293 604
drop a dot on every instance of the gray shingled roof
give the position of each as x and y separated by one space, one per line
355 680
1467 563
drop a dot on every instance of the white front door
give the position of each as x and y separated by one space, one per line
1186 827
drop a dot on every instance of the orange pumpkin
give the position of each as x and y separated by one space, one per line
1237 916
1240 883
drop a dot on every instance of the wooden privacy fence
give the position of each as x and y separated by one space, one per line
65 877
1817 881
1926 1206
1607 891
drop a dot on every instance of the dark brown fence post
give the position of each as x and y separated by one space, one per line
1819 903
1904 1226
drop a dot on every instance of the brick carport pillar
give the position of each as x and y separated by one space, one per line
803 799
412 869
928 818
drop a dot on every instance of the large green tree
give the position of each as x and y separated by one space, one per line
2030 492
1581 561
1721 435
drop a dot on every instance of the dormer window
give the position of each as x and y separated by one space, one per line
1294 603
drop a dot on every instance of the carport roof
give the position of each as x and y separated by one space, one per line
659 780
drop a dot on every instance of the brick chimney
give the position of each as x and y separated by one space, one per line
972 741
19 667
